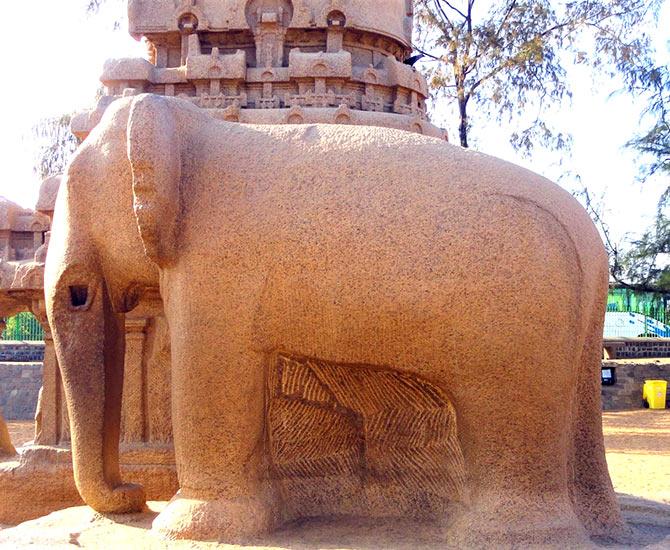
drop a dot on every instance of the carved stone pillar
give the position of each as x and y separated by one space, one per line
159 409
48 417
269 21
188 25
335 40
50 407
269 44
6 447
335 33
134 383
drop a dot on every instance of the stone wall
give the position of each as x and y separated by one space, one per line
643 347
20 385
21 352
631 374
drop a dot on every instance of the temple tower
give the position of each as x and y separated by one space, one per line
276 61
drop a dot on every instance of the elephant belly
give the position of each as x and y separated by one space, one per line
412 295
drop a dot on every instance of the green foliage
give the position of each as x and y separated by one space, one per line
94 7
645 264
642 264
654 143
58 145
23 326
509 57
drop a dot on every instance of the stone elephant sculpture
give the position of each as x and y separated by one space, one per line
373 250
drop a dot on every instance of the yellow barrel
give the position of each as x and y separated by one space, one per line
653 392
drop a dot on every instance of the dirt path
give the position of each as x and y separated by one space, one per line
21 432
638 452
637 443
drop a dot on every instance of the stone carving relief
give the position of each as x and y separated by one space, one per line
352 440
267 55
269 19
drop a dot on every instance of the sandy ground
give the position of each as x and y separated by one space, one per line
638 454
21 432
637 442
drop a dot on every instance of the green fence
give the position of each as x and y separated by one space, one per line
651 304
636 314
657 313
646 315
23 326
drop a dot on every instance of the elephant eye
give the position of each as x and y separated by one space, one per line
78 295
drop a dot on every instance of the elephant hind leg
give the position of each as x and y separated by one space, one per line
590 485
511 403
516 456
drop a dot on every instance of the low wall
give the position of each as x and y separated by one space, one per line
21 380
637 348
21 352
630 375
20 385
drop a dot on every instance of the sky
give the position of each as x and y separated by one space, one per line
53 68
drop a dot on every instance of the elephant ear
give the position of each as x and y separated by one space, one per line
154 151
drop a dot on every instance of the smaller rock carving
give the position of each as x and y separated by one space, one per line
347 440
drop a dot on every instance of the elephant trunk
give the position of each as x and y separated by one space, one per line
89 339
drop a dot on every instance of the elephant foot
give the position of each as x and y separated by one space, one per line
600 514
230 521
518 522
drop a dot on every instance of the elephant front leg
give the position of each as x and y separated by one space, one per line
218 400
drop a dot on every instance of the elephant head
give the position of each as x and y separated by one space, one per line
115 220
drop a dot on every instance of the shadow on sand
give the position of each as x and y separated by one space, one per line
649 522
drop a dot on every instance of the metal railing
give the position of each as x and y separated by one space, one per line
644 321
23 327
620 321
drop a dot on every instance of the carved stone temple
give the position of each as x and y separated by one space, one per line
256 61
23 233
276 62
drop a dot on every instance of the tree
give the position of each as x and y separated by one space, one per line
58 145
654 144
640 264
94 7
644 265
23 326
508 57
